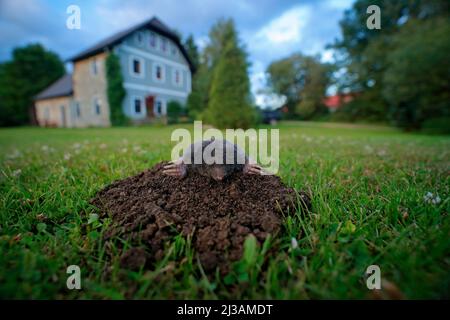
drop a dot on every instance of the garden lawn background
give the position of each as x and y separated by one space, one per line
369 207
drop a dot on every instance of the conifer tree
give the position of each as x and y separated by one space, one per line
229 104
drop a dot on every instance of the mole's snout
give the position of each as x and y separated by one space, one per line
218 173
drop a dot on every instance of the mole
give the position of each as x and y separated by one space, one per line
200 158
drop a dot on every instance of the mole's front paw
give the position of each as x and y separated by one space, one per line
175 169
251 168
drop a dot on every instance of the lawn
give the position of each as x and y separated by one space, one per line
370 206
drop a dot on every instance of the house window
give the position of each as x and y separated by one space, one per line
94 67
164 45
47 113
158 72
140 37
97 106
177 77
137 66
137 106
158 107
77 110
152 40
173 50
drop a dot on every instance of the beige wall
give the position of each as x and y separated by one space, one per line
49 112
88 86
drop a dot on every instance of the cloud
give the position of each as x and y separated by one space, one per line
285 29
269 29
338 4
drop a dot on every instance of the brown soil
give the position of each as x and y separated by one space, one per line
150 208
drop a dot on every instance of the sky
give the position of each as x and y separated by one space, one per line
269 29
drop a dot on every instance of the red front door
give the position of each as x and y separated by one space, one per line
149 102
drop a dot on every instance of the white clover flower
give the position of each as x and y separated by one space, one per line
430 198
294 243
124 150
368 148
44 148
103 146
16 173
14 155
67 156
76 146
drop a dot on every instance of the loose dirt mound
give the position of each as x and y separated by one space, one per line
150 208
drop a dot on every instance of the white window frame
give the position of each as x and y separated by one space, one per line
156 40
179 84
94 106
163 72
164 41
163 107
77 110
142 34
173 49
133 108
131 66
46 113
94 64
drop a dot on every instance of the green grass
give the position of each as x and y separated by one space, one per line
368 186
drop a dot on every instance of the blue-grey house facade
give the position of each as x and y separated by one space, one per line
156 69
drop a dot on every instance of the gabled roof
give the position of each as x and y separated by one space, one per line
153 24
60 88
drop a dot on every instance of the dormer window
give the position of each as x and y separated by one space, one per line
152 40
140 37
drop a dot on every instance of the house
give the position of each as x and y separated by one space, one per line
155 68
336 101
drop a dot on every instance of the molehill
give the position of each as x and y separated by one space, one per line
149 209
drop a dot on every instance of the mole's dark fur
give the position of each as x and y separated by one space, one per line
230 156
216 159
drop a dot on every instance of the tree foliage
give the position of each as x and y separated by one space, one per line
221 88
174 111
229 105
417 84
115 90
199 96
192 50
201 84
30 71
303 80
377 60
